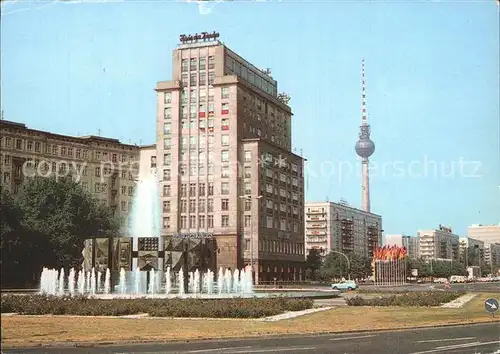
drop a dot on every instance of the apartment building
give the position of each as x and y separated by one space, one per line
340 227
439 243
225 161
147 161
409 242
492 254
472 251
105 167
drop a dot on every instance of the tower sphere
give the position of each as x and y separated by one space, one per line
365 147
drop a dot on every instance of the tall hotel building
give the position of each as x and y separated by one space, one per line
438 244
340 227
224 160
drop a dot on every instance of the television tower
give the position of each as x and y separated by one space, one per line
365 147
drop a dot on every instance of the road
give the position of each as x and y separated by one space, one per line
470 339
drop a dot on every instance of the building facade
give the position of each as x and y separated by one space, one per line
340 227
409 242
438 244
492 254
488 233
104 167
225 162
472 251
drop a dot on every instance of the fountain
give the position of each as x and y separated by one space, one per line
81 282
71 282
148 264
107 282
168 282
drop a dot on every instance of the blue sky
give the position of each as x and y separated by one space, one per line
431 72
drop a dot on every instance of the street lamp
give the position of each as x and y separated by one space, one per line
250 197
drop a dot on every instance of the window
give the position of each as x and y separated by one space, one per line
98 172
167 128
224 156
211 62
192 64
248 220
225 204
225 124
192 189
19 144
192 143
97 187
192 205
225 92
192 79
30 146
184 65
192 110
203 110
248 172
210 188
167 143
225 108
167 160
210 205
210 94
247 245
248 188
224 171
211 77
183 222
201 221
184 79
168 113
224 188
183 206
210 221
201 205
248 204
203 78
166 222
166 190
224 140
248 155
183 190
224 222
201 189
168 97
203 63
166 175
166 206
211 109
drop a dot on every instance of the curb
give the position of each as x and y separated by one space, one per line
229 339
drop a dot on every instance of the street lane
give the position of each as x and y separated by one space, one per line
471 339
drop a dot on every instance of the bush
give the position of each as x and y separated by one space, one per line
218 308
420 299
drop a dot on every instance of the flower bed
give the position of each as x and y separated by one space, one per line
422 299
216 308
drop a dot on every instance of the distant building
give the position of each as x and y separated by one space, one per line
492 254
340 227
487 233
105 167
439 243
409 242
471 251
147 161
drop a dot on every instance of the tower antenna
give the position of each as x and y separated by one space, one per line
365 147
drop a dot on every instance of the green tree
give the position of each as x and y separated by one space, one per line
61 214
335 265
313 263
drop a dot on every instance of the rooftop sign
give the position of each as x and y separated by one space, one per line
203 36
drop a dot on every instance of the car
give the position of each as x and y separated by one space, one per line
440 280
345 285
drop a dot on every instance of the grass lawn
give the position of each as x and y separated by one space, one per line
36 330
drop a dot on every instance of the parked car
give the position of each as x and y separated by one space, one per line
440 280
458 279
345 285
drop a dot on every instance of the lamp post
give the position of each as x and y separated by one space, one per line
250 197
348 263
